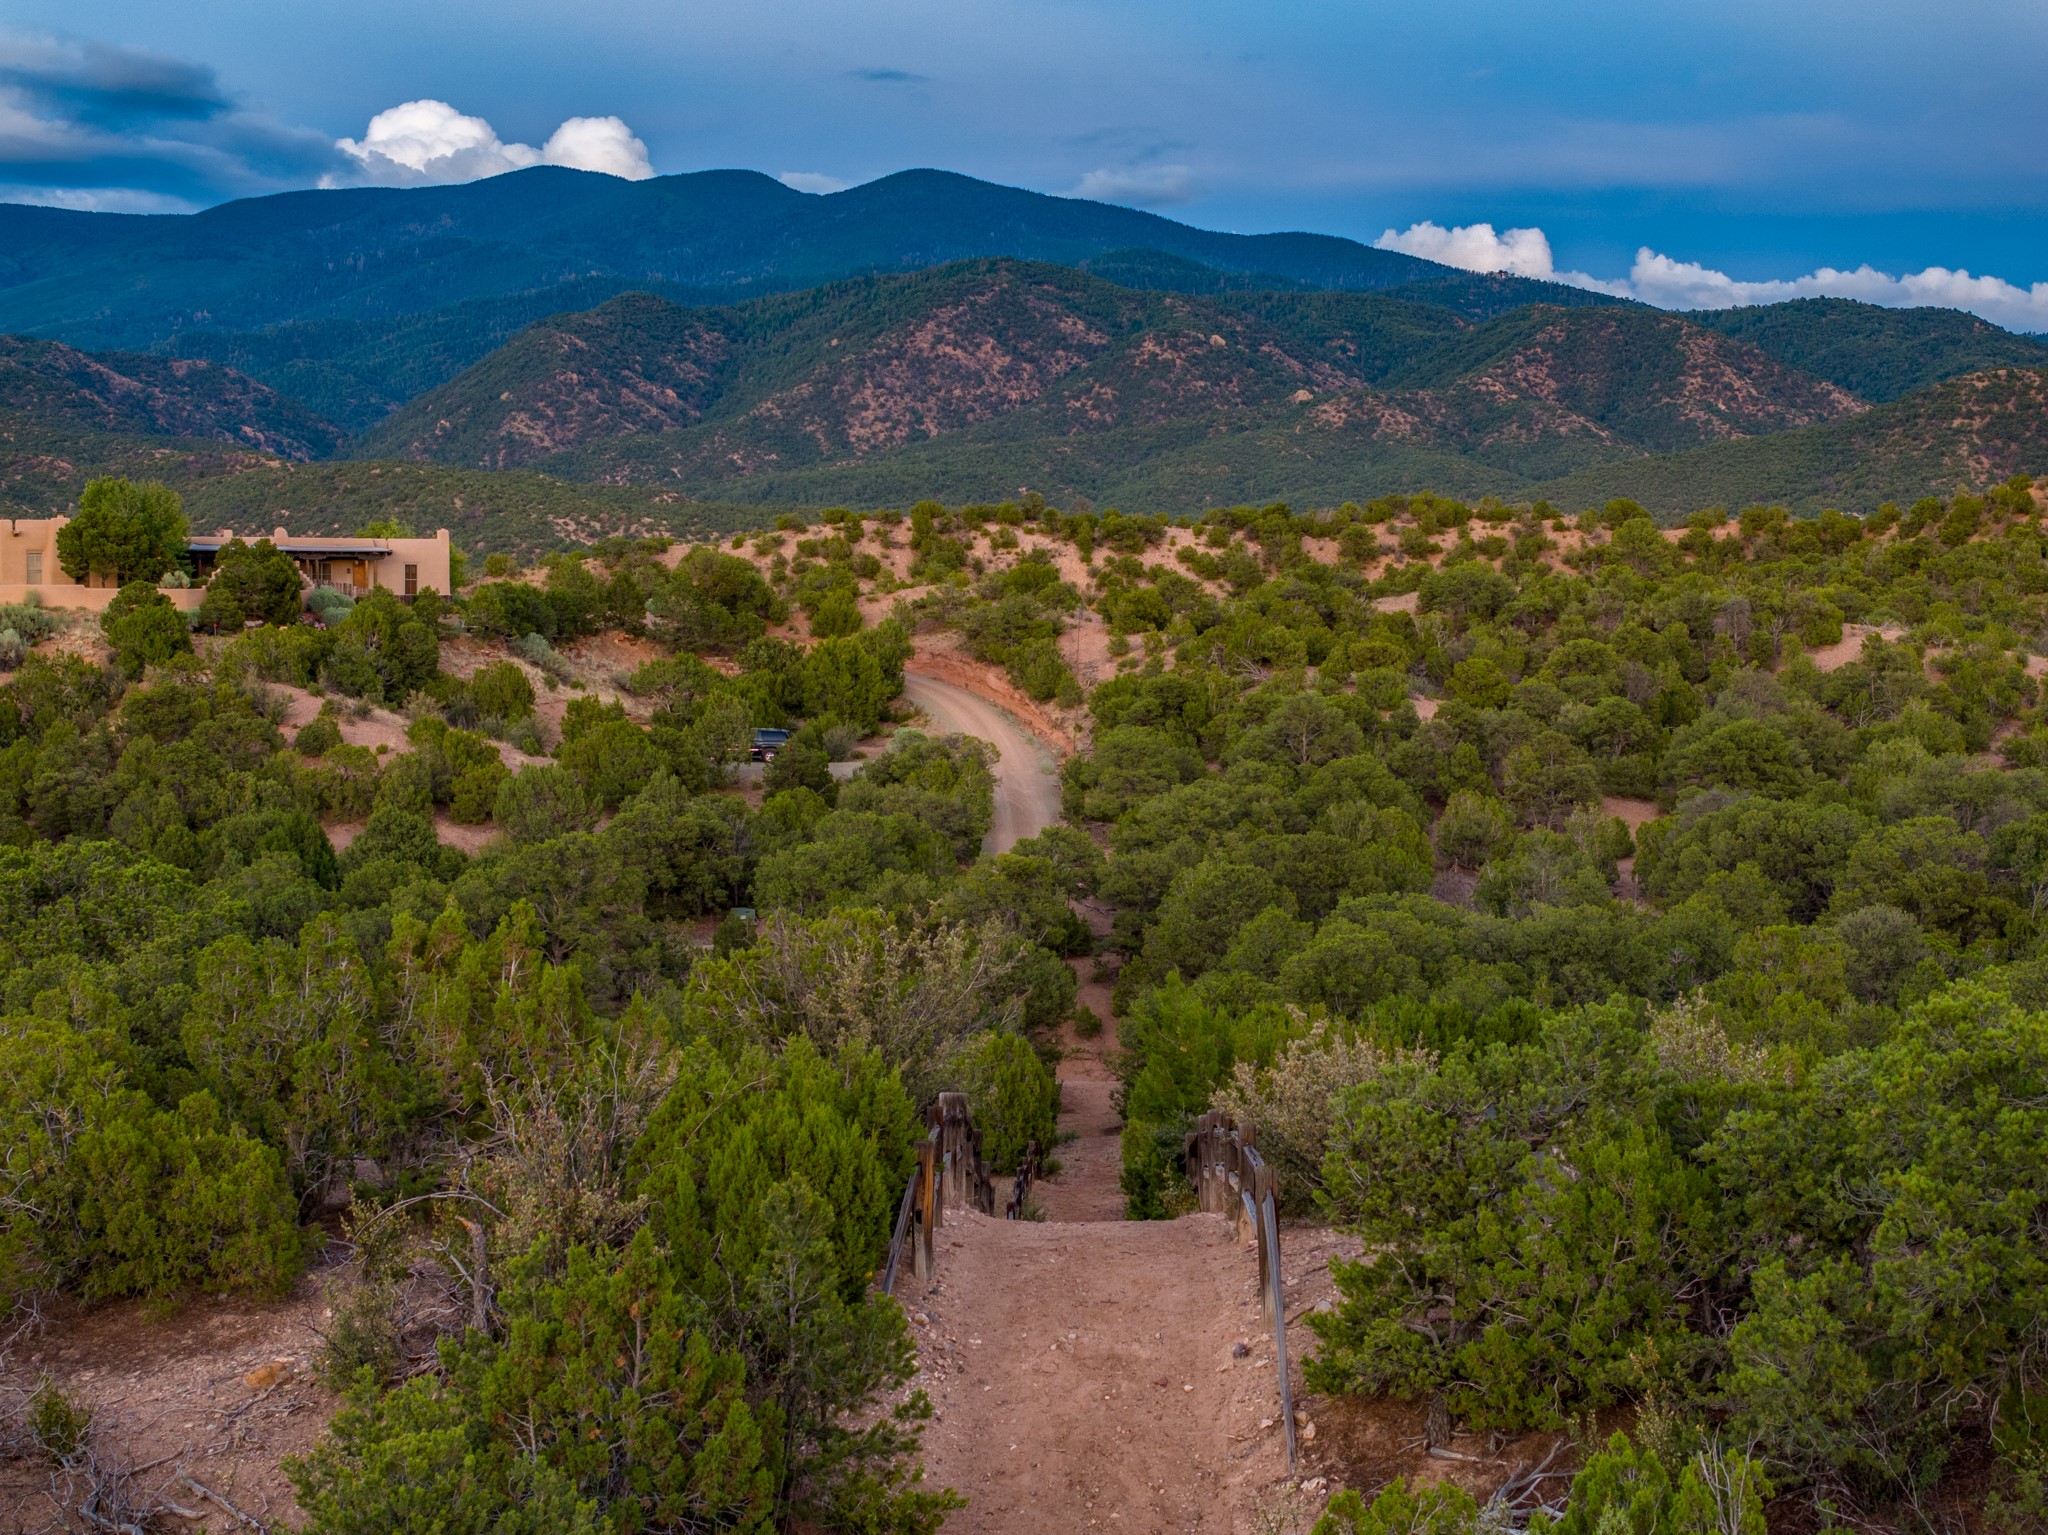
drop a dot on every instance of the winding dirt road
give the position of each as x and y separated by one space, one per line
1027 778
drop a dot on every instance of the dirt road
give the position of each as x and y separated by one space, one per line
1091 1373
1027 781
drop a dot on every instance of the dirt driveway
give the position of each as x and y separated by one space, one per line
1027 780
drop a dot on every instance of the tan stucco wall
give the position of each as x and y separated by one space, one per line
94 599
24 535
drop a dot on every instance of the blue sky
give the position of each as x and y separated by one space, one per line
1682 152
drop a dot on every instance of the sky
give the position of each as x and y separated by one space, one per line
1892 150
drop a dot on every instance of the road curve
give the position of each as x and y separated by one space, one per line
1027 779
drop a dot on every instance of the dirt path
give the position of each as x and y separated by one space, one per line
1090 1373
1088 1185
1027 783
1084 1376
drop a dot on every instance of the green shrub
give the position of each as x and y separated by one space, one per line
543 802
1013 1095
475 794
501 692
121 1198
143 628
319 735
59 1426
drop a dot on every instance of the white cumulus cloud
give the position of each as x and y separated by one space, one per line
1478 248
429 143
603 144
1669 283
1141 186
817 183
1475 247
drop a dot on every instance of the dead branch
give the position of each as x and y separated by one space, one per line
213 1497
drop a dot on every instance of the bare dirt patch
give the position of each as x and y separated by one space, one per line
1632 813
449 833
1850 647
81 636
178 1392
379 727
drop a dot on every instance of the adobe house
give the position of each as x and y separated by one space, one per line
351 565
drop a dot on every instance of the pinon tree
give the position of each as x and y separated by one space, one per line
144 628
124 531
255 581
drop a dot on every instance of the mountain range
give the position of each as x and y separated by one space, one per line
720 338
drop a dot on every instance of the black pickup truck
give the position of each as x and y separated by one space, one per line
767 743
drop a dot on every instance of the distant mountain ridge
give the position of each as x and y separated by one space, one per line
639 389
718 338
305 290
114 280
1876 353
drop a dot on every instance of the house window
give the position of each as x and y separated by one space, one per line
35 567
412 580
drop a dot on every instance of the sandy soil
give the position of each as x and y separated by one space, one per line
1085 648
1406 602
1083 1375
1850 646
595 661
219 1391
1631 812
447 832
81 636
380 727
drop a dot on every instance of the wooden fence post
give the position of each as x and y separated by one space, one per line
1230 1176
930 1194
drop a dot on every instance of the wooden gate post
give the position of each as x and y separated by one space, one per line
927 1214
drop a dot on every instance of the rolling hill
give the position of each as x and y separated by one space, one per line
1876 354
1964 433
46 384
1011 358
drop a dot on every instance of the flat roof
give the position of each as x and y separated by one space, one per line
324 547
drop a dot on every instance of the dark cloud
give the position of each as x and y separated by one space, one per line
108 86
888 76
89 125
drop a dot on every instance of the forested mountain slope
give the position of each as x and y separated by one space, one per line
1875 353
1020 356
113 280
972 379
1968 432
47 385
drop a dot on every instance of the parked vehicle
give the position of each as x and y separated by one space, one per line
767 743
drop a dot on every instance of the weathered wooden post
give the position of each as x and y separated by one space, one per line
1230 1175
929 1211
